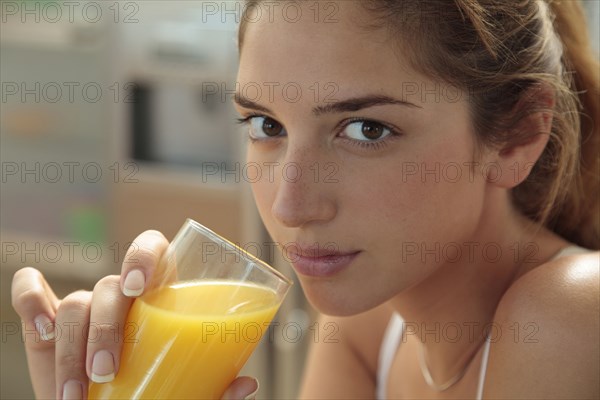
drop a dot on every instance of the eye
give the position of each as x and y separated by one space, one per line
261 127
365 130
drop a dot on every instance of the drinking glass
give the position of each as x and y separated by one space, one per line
194 327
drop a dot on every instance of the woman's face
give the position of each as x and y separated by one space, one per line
388 193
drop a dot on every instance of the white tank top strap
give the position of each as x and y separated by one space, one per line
389 346
387 351
393 336
570 250
483 369
566 251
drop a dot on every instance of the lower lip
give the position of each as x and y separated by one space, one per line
322 267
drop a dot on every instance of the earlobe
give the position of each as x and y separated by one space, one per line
528 138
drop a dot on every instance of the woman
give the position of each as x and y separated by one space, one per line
462 204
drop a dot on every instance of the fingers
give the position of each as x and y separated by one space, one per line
72 318
107 322
243 387
64 343
36 304
141 260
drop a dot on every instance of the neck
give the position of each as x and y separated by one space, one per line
448 311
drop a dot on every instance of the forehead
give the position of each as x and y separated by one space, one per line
316 41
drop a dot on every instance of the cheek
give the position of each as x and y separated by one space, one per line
264 190
433 196
436 210
264 195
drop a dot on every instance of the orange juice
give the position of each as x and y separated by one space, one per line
189 340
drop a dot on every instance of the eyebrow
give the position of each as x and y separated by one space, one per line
352 104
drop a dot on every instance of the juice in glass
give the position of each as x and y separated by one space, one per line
189 340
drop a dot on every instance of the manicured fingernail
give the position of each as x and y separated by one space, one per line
134 283
253 394
72 390
103 367
44 326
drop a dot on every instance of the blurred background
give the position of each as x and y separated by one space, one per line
116 118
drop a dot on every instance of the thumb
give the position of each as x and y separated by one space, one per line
242 388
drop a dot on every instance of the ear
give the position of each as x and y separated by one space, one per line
516 160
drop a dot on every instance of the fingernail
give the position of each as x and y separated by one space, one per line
103 367
72 390
253 394
44 326
134 283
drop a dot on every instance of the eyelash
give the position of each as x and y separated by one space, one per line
374 145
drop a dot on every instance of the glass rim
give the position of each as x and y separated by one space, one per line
213 235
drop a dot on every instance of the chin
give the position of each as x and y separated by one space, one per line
330 297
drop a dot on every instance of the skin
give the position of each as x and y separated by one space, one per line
377 210
52 363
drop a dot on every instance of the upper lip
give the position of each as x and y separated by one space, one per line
312 251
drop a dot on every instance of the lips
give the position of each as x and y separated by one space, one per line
320 262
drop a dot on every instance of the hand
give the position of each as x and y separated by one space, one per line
61 367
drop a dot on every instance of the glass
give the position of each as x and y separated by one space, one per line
190 333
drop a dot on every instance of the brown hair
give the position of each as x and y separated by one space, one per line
497 51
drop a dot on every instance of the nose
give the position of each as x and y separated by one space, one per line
303 196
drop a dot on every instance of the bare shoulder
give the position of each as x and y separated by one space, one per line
546 333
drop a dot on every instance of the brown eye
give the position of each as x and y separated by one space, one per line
372 130
365 131
271 127
265 127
